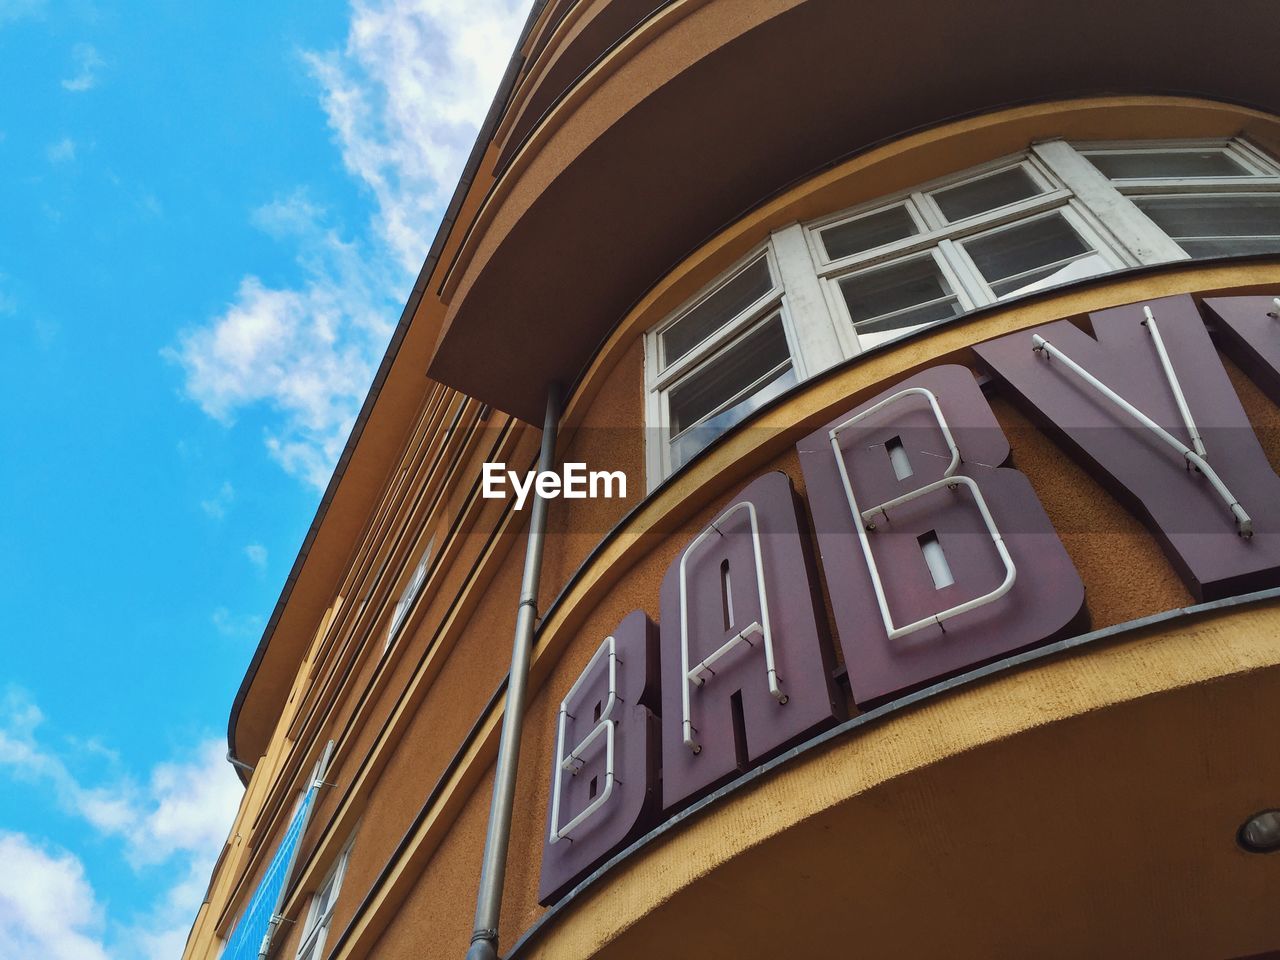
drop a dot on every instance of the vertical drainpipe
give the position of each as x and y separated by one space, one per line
484 937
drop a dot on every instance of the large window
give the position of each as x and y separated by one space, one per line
320 913
825 291
931 255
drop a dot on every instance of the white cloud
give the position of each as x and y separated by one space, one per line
62 151
163 932
403 99
216 506
187 808
177 819
306 352
106 810
47 907
257 555
294 215
87 63
150 205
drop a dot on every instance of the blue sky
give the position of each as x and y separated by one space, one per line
210 217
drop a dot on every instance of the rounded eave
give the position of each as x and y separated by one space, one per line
709 107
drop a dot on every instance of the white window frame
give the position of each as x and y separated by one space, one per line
1077 217
661 380
1262 176
814 314
409 595
926 214
315 931
949 267
945 240
1262 170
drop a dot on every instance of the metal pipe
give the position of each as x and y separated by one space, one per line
493 868
1172 376
1243 521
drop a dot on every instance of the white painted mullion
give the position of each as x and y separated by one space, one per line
839 311
1195 187
817 337
937 230
928 211
1132 228
656 423
959 269
889 253
1081 219
1252 156
1010 213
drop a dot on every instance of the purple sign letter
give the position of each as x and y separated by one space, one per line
1147 407
936 558
1249 329
744 668
604 779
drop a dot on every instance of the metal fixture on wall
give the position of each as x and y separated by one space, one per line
1261 832
493 868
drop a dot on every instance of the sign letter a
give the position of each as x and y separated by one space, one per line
745 669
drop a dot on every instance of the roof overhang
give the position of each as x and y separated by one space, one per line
376 441
710 108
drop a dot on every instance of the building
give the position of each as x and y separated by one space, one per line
938 346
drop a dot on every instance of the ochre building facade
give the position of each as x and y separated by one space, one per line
939 347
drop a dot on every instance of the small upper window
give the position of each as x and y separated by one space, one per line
986 193
870 231
320 914
716 310
1213 200
409 594
1167 164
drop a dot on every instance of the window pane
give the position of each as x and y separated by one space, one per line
751 371
739 366
869 232
690 443
321 901
906 319
1229 246
893 288
718 309
1218 225
1051 276
1009 259
1146 164
988 193
887 302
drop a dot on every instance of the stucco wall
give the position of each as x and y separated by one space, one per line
417 729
